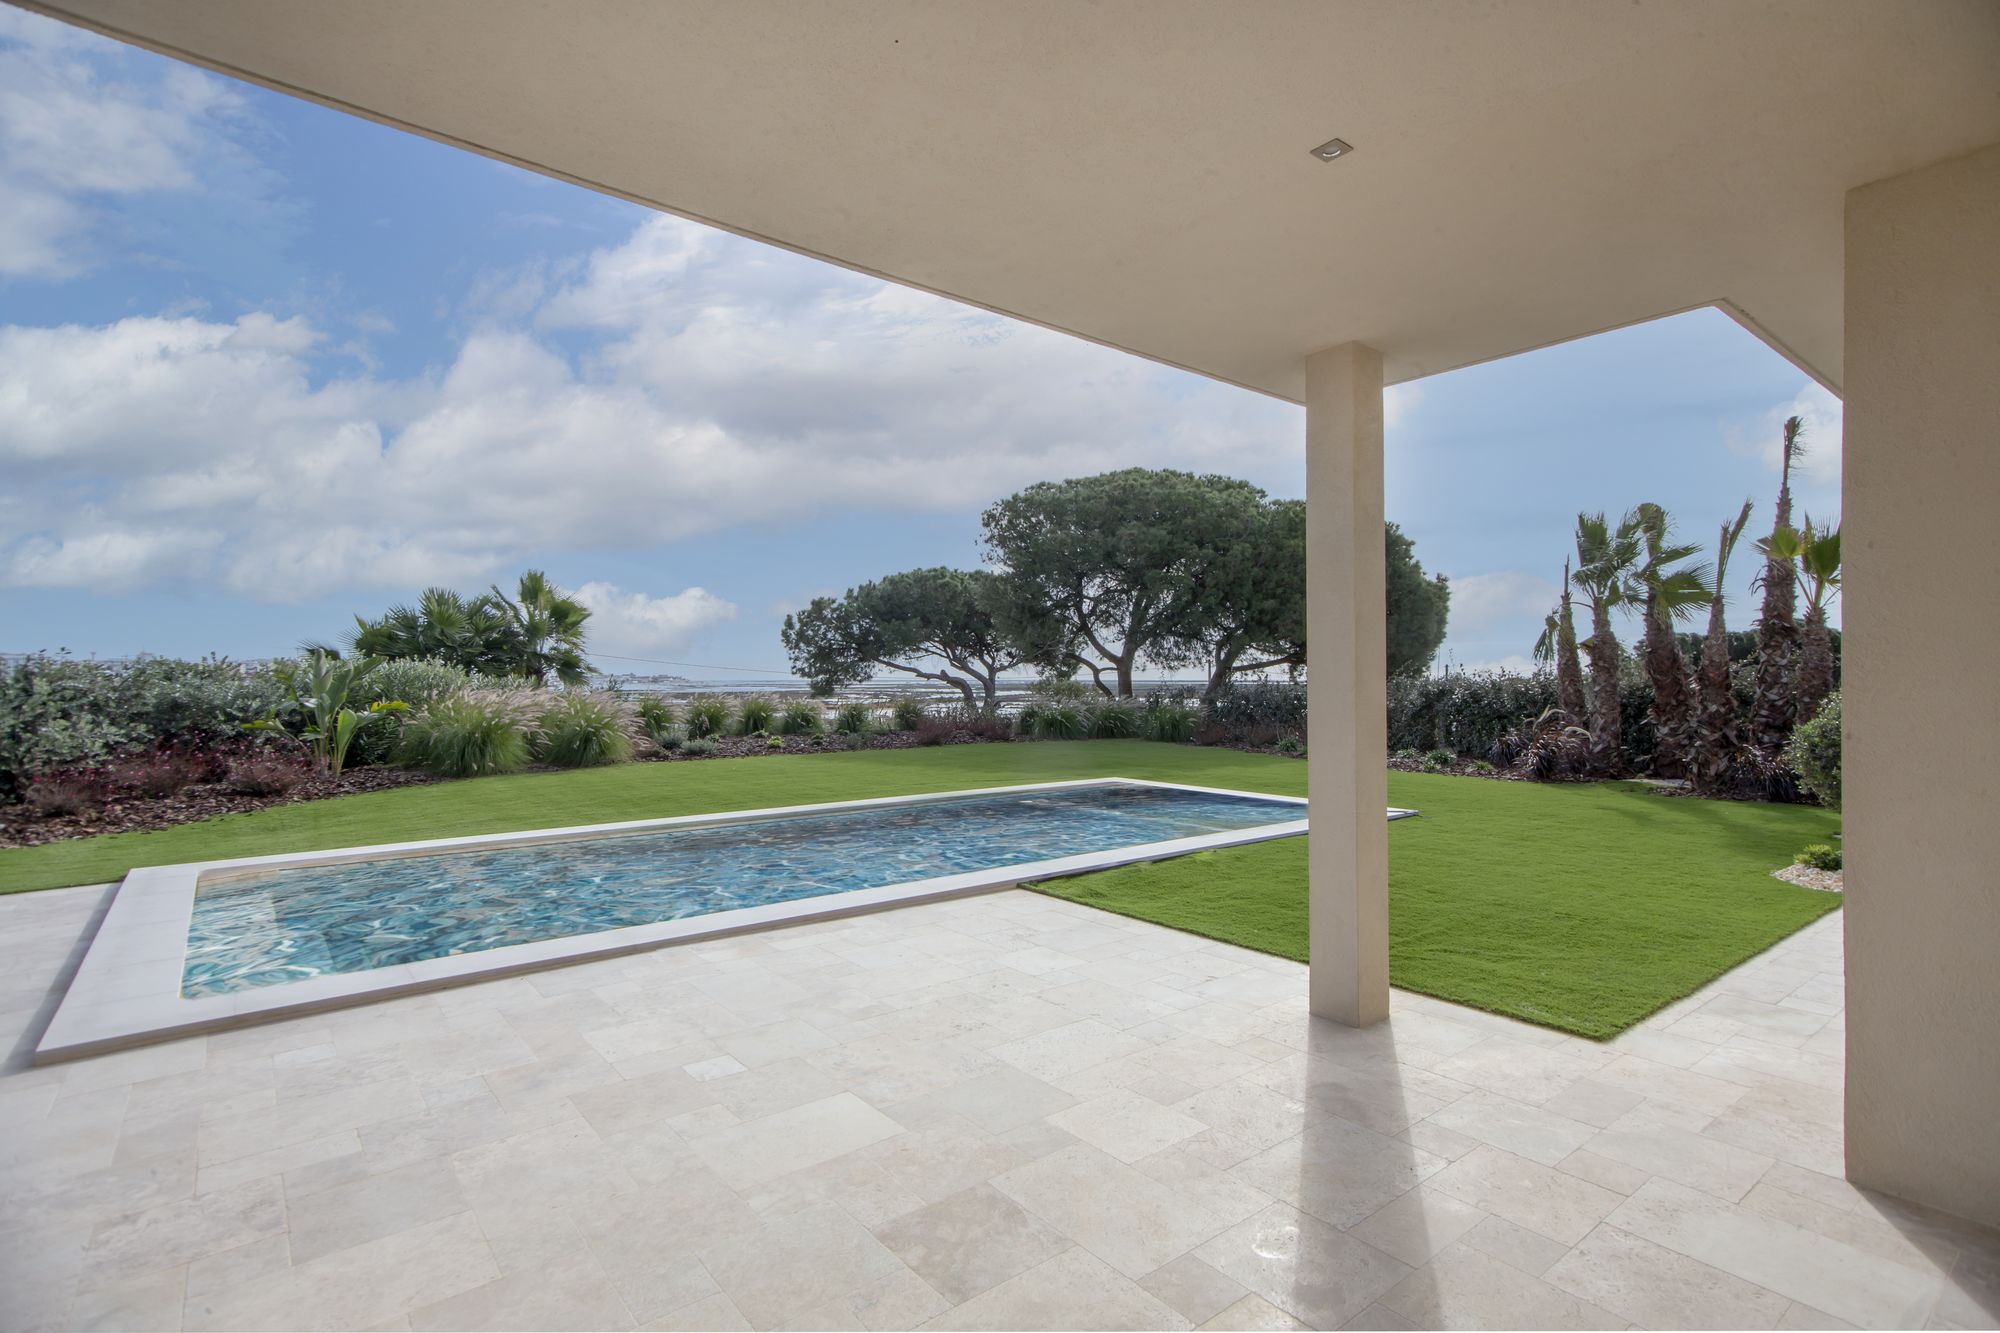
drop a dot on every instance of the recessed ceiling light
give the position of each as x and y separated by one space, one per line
1333 148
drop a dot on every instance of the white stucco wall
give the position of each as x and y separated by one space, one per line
1922 684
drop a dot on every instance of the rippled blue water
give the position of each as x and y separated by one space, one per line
290 924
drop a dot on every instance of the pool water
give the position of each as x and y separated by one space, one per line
287 925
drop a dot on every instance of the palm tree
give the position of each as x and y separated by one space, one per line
1668 591
469 632
1774 709
1558 645
1815 555
1605 558
547 630
1718 734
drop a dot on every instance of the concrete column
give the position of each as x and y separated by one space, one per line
1347 736
1919 704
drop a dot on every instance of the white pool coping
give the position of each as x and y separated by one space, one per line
127 991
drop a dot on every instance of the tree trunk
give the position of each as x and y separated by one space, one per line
1569 668
1718 732
1673 698
1125 676
1815 676
1607 756
1773 708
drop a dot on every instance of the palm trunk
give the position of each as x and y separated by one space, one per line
1673 699
1569 669
1773 710
1718 731
1815 675
1607 757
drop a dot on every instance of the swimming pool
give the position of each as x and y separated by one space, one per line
211 945
280 926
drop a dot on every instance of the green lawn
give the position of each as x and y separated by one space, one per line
1585 908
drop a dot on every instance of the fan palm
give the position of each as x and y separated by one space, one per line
547 631
443 626
1605 559
1669 590
1773 708
1558 646
1815 558
1718 733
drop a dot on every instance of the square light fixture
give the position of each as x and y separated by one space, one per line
1333 148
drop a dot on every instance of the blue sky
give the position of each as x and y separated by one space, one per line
263 365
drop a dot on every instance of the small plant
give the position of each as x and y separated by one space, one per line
55 795
318 688
583 731
470 735
1547 749
1818 855
706 716
1291 745
936 729
1061 722
1481 766
1409 755
1439 760
161 773
673 738
801 717
754 716
264 775
907 712
1814 752
1170 722
1115 720
698 747
855 717
774 743
656 718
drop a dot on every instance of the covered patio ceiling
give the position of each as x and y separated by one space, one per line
1141 173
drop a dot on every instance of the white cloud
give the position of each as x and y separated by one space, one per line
1482 603
720 384
1821 412
637 624
70 133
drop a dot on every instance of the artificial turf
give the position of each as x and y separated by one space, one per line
1584 908
1581 907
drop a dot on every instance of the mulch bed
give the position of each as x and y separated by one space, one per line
21 827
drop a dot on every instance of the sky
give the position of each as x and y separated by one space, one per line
264 366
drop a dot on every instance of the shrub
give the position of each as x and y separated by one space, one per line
671 739
1168 720
468 735
57 712
1028 719
800 717
72 793
698 747
706 716
907 711
583 731
1061 722
656 718
1814 752
1439 759
753 715
417 682
1258 712
1114 720
160 773
854 717
935 729
1291 745
1818 855
986 726
1548 749
775 743
264 775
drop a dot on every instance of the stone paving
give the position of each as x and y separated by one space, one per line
999 1112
